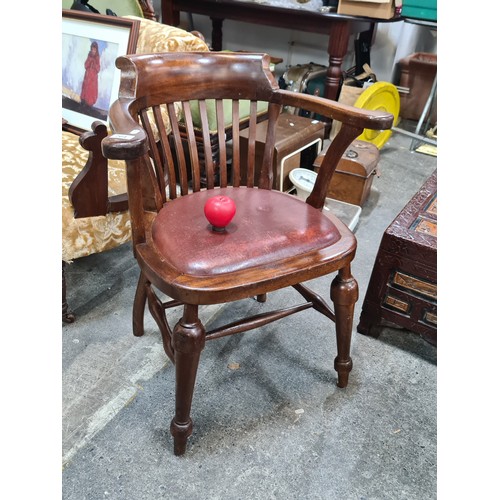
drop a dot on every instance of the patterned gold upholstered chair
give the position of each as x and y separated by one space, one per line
104 224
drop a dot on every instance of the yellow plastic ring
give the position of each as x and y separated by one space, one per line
383 96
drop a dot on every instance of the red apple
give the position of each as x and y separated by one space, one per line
219 210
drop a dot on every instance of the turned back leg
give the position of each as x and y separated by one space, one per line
139 306
67 313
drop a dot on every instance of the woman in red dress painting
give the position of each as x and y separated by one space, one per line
92 68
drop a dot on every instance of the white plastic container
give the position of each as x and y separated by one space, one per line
304 179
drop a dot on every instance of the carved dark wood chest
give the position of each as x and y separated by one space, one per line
402 290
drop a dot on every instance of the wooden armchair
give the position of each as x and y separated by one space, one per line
94 201
274 241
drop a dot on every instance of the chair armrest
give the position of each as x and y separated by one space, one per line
89 191
129 140
348 115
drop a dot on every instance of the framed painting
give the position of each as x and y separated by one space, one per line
90 80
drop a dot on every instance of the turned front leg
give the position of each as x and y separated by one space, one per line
344 294
188 342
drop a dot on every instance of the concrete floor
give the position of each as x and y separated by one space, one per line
269 420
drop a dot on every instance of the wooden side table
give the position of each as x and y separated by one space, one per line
294 134
338 27
402 291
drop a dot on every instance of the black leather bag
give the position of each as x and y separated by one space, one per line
84 6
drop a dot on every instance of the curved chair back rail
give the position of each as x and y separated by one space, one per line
220 76
275 240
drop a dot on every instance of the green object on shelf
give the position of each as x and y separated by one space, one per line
420 9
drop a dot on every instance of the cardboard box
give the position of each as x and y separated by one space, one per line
379 9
